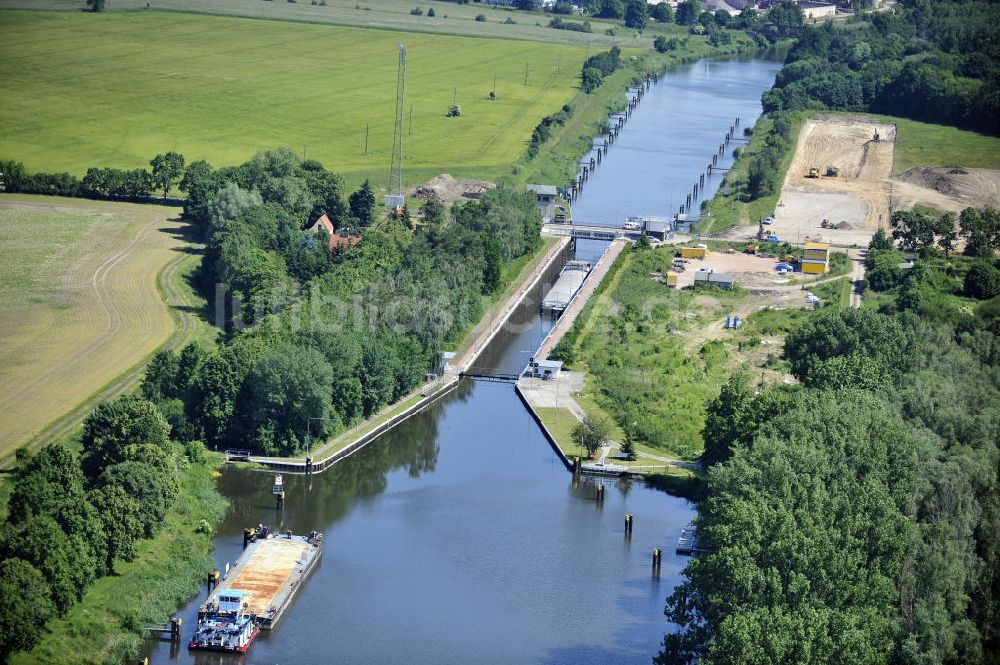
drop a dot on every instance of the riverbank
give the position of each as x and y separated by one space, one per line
106 626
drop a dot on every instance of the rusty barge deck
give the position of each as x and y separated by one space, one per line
270 572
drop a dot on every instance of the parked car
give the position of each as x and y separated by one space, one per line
811 298
784 266
769 220
774 239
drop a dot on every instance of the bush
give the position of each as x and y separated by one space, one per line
982 282
481 18
416 11
430 13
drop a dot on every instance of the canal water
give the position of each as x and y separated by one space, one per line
459 536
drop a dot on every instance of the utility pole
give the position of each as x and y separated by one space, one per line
525 73
410 133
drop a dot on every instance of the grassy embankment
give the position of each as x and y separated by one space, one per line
105 626
655 357
727 210
917 144
83 311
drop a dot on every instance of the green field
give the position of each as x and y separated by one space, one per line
450 18
924 144
114 89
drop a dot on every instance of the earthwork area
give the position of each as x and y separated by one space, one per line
856 200
80 304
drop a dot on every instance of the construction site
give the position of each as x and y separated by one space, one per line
838 186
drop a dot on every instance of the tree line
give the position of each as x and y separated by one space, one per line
99 183
930 61
315 340
71 518
853 519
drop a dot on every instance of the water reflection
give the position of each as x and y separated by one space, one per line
458 536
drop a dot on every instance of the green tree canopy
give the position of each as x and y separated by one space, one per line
115 429
26 607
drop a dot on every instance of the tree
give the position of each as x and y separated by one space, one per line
722 18
362 205
287 399
96 5
65 560
591 79
493 266
981 230
982 281
167 169
433 210
591 433
149 479
662 13
917 231
609 9
628 448
661 44
687 12
636 14
526 5
160 378
26 607
118 513
880 242
113 431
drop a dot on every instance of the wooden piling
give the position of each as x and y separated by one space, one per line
628 523
657 555
600 493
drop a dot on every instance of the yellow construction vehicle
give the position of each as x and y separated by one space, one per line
813 173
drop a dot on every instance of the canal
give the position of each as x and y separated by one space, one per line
459 536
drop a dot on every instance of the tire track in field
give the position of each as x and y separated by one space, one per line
114 313
125 382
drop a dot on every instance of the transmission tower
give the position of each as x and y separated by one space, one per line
394 196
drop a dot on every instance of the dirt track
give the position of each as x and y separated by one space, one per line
104 317
859 196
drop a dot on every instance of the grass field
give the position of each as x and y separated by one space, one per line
82 304
450 18
82 90
924 144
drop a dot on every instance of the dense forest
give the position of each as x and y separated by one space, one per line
70 518
933 61
317 339
856 519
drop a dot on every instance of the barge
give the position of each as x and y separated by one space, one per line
255 593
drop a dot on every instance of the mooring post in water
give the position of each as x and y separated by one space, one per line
628 523
576 465
722 148
281 500
657 554
737 122
701 180
600 493
175 629
246 538
715 160
309 465
682 209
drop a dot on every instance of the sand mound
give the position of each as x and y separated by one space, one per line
450 189
965 187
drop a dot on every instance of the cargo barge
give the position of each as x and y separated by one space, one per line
255 593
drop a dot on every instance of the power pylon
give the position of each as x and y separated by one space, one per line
394 196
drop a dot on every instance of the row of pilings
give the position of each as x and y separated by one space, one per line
616 123
713 167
